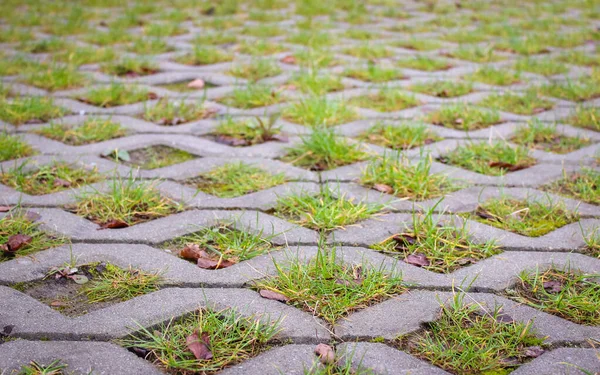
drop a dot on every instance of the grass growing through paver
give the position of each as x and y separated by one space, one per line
494 159
169 112
247 132
585 117
229 337
252 96
323 150
16 224
498 77
312 58
115 94
256 69
204 56
463 116
403 136
580 58
224 244
529 103
531 218
48 45
154 157
544 67
312 82
576 91
29 110
150 46
570 294
260 47
424 63
436 244
325 211
12 147
443 89
47 179
125 202
475 54
236 179
130 67
394 174
92 130
539 135
34 368
77 56
114 283
375 73
54 77
369 51
464 339
418 44
583 185
385 100
330 289
320 111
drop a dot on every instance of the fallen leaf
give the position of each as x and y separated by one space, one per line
534 351
114 224
199 346
459 121
140 352
418 259
152 95
383 188
17 241
269 294
196 84
484 214
57 303
4 208
326 353
79 279
231 141
288 60
190 251
210 264
4 248
510 361
403 241
552 286
504 318
465 261
62 183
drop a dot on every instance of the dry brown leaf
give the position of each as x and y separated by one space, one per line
269 294
17 241
62 183
196 84
114 224
199 346
210 264
418 259
4 208
383 188
326 353
190 251
152 95
288 60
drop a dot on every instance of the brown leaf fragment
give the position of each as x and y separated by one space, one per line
288 60
196 84
403 241
326 354
17 241
510 361
383 188
114 224
508 166
231 141
4 249
504 318
4 208
199 346
534 351
59 182
190 251
418 259
269 294
211 264
57 304
552 286
152 95
484 214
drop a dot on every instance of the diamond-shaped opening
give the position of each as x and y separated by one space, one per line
459 341
493 159
385 100
219 246
327 287
20 236
531 218
115 94
583 185
76 291
219 338
253 96
569 294
48 179
153 157
538 135
443 89
529 103
325 211
123 203
436 245
247 132
188 86
170 112
397 175
463 117
93 130
404 136
235 179
13 147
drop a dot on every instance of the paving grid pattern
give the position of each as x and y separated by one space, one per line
84 342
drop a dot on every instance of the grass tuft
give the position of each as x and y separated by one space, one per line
583 185
114 95
385 100
15 224
403 136
92 130
538 135
529 103
319 111
29 110
464 117
12 147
